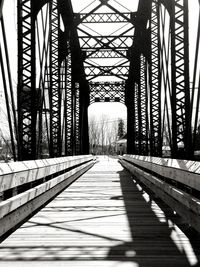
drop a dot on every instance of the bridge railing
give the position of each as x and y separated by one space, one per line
177 182
26 186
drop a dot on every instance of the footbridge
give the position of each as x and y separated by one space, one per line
100 211
59 204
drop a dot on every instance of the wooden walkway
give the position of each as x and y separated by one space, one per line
104 219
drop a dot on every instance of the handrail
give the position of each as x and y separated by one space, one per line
26 186
14 174
176 182
186 172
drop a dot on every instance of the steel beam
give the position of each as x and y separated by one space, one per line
107 92
27 95
155 83
55 92
181 117
104 18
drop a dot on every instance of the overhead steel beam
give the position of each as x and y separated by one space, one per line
107 92
105 53
104 17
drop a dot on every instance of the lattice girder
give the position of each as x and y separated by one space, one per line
105 42
118 71
155 82
26 81
106 53
107 92
181 118
103 46
104 18
144 135
55 82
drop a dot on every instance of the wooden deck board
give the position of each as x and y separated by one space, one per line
104 219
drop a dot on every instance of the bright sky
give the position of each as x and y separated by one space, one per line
114 110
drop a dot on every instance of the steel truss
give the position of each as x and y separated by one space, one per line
155 82
55 82
101 46
104 17
167 88
51 112
181 117
27 95
107 92
105 54
58 72
143 108
68 107
175 93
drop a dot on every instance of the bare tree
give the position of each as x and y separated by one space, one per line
103 133
94 134
111 136
103 130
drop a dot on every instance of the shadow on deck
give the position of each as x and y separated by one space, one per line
104 219
159 236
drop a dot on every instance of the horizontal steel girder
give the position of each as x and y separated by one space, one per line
104 18
107 92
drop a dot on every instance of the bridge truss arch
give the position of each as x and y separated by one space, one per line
65 63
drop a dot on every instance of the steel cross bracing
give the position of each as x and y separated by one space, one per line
50 122
26 80
98 47
104 17
107 92
181 124
155 92
55 83
143 110
164 44
65 63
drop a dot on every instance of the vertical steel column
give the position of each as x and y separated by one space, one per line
77 119
181 117
129 97
27 111
68 108
137 125
55 92
73 121
143 105
155 83
84 132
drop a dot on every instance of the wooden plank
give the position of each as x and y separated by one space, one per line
181 202
14 174
112 223
15 202
18 209
183 171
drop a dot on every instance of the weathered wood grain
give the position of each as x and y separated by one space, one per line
104 219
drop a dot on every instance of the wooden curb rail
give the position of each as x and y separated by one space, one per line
26 186
177 182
